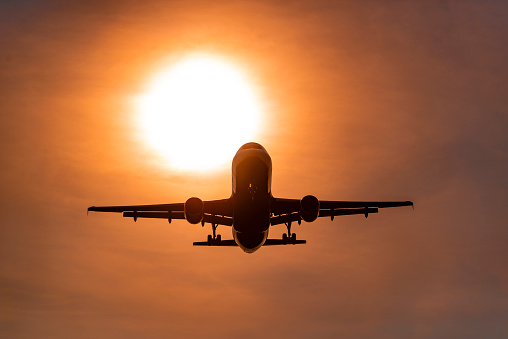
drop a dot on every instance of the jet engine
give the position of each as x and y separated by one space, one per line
193 210
309 208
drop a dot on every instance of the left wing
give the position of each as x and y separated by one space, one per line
214 211
288 210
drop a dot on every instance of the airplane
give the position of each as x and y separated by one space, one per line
251 209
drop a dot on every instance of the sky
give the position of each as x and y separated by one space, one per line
365 100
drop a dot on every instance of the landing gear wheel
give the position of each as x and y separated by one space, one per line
209 239
284 237
293 237
218 238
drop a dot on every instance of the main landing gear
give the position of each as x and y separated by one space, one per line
288 237
213 238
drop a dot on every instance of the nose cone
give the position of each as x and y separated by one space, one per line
250 242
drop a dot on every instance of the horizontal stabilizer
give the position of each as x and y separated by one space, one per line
287 241
231 242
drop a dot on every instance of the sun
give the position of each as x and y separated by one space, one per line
198 112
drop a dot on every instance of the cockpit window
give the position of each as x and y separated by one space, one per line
252 145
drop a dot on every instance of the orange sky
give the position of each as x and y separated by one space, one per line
367 101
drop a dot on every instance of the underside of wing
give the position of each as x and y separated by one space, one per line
309 208
194 210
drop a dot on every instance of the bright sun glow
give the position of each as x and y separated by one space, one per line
198 112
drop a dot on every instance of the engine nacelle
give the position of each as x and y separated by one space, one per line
193 210
309 208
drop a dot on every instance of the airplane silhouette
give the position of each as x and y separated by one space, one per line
251 209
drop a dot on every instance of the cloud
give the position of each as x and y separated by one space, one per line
378 101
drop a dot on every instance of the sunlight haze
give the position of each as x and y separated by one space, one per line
198 112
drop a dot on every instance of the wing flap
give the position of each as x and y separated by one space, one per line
285 218
347 211
214 219
295 216
155 215
282 206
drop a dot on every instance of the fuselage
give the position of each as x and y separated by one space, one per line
252 176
